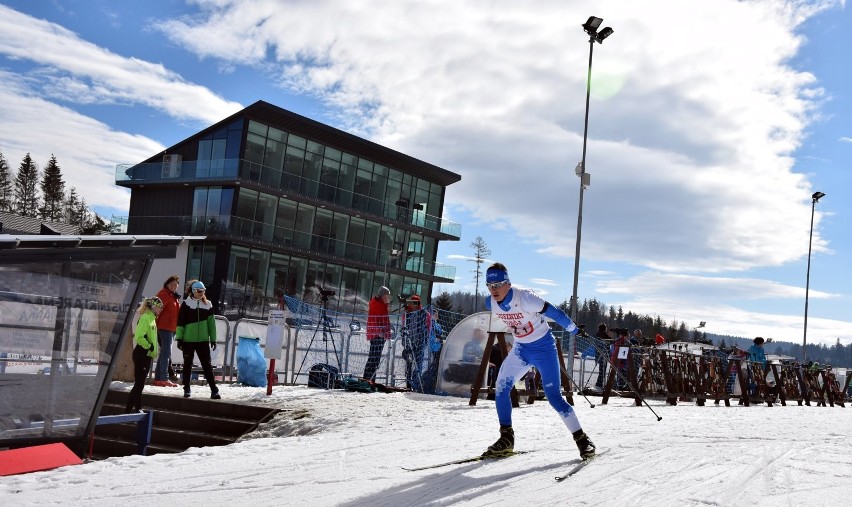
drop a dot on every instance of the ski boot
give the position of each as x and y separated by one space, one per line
504 446
584 444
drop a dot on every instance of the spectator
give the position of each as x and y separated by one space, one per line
196 335
145 349
736 353
473 350
166 327
756 353
659 340
525 315
757 356
637 338
600 356
415 335
623 340
436 343
378 330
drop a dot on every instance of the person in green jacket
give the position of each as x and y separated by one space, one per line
196 335
145 349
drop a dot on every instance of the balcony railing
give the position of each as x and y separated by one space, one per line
235 227
232 169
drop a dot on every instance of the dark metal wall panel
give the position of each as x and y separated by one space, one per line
161 201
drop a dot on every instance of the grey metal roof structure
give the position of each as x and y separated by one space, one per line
11 223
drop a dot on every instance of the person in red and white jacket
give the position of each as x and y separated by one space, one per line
378 330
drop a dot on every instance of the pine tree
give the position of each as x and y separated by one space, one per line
26 186
95 225
444 302
480 252
7 202
52 191
72 206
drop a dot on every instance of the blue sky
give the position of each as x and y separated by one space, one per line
711 124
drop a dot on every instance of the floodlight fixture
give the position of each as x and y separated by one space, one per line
817 196
603 34
592 24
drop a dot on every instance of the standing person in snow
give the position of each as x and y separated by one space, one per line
378 330
524 314
166 325
145 350
196 335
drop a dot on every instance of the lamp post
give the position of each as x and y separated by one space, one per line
393 253
695 332
814 198
590 27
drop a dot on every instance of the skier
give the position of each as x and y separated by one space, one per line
524 314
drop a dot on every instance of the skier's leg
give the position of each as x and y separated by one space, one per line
512 368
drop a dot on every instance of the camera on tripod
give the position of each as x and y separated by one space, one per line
326 293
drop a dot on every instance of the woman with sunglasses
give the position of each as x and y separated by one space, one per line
524 313
196 335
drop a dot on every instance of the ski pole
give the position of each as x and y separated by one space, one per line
564 372
630 385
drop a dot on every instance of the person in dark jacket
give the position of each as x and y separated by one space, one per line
196 335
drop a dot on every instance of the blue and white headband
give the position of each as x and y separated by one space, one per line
496 275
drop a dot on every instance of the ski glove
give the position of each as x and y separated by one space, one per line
212 345
179 344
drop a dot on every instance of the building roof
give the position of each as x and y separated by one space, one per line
11 223
277 117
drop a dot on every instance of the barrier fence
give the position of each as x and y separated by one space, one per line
676 372
683 372
314 336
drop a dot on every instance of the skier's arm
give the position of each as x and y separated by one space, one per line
559 316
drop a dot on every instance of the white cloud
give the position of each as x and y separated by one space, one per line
497 94
692 299
86 149
544 281
79 71
74 71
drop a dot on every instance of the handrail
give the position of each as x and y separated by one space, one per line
231 169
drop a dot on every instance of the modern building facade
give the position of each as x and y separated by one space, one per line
287 205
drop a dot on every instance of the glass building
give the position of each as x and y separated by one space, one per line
288 205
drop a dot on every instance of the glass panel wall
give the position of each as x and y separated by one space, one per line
285 222
304 225
264 217
61 325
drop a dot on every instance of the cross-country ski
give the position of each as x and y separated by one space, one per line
465 460
579 466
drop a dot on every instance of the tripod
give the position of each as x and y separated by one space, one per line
324 323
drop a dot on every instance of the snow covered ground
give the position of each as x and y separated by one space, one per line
343 448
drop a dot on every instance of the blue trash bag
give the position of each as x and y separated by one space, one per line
251 365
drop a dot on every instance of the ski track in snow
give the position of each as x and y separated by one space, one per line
347 449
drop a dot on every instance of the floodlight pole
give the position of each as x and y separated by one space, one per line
582 173
393 253
814 198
